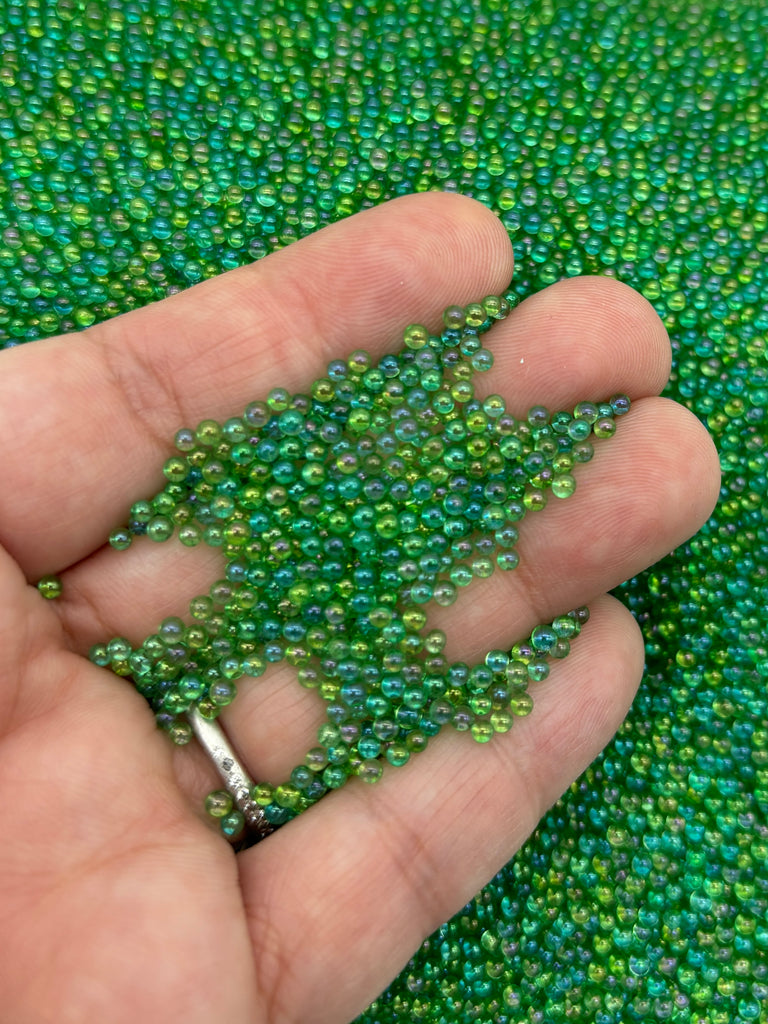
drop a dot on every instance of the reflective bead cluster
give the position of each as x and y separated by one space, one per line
144 146
342 514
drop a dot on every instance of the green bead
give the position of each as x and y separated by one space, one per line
416 336
534 499
50 587
120 539
159 528
398 754
180 733
501 721
604 427
99 655
175 469
563 485
370 771
218 804
482 731
287 796
263 794
521 704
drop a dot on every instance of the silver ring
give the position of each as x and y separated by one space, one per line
236 779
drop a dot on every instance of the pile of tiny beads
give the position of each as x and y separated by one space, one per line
342 514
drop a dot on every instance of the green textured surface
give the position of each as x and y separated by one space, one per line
146 146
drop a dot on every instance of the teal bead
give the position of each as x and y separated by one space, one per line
579 429
232 824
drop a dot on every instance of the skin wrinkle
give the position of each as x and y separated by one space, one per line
277 967
410 856
34 647
412 865
145 388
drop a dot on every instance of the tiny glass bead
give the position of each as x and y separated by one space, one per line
563 485
50 587
159 528
120 539
218 804
521 704
604 427
180 733
232 824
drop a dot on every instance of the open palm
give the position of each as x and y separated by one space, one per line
117 900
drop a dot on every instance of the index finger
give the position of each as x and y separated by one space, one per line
92 416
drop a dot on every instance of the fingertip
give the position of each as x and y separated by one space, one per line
696 454
441 247
636 319
586 336
625 315
459 215
580 707
470 219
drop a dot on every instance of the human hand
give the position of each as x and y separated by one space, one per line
117 900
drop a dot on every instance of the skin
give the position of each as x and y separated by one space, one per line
118 902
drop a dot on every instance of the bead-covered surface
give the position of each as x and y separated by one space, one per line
146 146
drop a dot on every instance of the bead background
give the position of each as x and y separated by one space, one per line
146 146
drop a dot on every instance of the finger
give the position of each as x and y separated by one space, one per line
583 337
361 879
587 337
92 415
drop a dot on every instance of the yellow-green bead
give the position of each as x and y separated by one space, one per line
50 587
482 731
218 803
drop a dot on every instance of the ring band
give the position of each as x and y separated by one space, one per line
236 779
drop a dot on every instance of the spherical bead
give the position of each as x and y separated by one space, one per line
50 587
218 803
232 824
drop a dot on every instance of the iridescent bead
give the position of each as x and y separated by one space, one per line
50 587
232 824
218 803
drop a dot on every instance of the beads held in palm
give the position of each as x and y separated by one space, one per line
343 514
